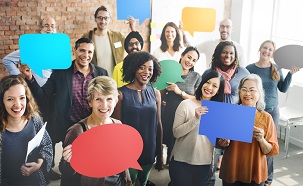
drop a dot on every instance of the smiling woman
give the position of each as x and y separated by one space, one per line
140 107
19 123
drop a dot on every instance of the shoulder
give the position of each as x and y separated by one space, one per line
99 70
243 70
86 35
115 33
37 121
116 120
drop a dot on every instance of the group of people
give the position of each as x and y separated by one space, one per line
83 96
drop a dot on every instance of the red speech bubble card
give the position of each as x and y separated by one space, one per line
106 150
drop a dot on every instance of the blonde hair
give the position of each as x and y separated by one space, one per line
104 85
274 71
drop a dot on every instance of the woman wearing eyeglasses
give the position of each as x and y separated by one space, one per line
244 164
272 80
171 47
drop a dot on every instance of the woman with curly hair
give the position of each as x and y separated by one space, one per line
140 107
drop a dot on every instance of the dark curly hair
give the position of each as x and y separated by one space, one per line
177 40
216 59
134 60
31 105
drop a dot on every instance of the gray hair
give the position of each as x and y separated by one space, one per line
104 85
260 103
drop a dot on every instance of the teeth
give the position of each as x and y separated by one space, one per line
103 110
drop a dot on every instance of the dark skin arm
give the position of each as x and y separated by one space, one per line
117 114
159 162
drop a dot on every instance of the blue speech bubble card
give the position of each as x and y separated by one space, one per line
45 51
139 9
228 121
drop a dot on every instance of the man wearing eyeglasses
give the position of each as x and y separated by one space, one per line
109 44
12 60
133 43
208 47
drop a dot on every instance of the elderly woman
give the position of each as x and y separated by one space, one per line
245 163
102 98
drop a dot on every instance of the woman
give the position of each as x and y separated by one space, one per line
225 60
244 164
140 107
191 156
171 47
272 79
102 98
19 123
177 92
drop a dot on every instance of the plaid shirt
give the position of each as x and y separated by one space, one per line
80 107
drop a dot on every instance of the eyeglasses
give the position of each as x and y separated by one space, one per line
49 26
100 18
225 26
251 91
134 43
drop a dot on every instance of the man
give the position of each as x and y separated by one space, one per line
12 60
68 88
108 44
208 47
133 42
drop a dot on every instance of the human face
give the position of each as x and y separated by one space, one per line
267 51
14 100
145 72
102 105
210 88
228 56
225 29
189 60
133 45
249 94
84 54
170 34
102 19
48 26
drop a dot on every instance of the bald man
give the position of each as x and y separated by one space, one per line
208 47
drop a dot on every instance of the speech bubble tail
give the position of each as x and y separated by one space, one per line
212 139
39 73
136 165
191 32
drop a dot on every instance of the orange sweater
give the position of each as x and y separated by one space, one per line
245 162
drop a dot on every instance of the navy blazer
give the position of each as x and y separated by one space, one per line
58 88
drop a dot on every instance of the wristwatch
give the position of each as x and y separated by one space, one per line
183 93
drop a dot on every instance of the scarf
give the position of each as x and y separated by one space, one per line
227 76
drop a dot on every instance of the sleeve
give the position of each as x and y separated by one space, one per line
46 91
10 62
182 126
46 151
198 81
271 136
65 167
284 84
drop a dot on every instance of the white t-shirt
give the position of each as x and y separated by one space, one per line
104 53
160 55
